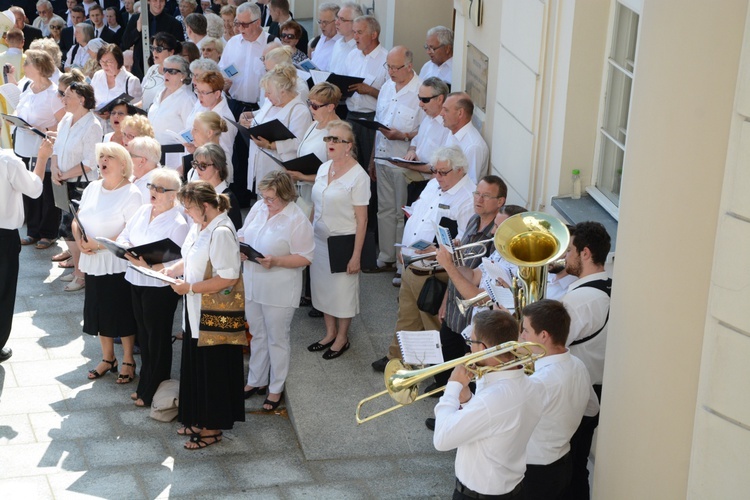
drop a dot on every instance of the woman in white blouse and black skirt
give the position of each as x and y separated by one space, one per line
279 230
106 205
154 302
211 377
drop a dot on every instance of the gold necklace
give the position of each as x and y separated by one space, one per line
118 185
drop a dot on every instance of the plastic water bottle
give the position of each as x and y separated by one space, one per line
576 184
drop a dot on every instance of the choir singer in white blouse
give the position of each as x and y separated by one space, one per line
278 229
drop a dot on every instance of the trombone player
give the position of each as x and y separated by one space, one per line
492 427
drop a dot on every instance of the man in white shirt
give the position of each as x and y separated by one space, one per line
490 429
432 134
457 112
439 47
328 37
368 62
46 15
566 388
195 27
15 181
587 302
345 27
398 109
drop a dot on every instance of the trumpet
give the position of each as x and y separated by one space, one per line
402 383
460 254
465 305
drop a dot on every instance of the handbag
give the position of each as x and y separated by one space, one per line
431 297
222 318
166 401
69 190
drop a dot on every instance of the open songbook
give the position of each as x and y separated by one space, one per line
497 292
420 348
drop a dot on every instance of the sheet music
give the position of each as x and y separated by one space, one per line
420 348
499 294
497 272
153 274
319 76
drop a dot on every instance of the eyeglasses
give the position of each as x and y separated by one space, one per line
60 94
158 49
315 106
440 172
427 99
244 25
342 20
118 113
335 140
207 92
485 196
159 189
172 71
432 49
53 27
393 68
129 137
325 23
469 343
288 36
201 166
269 199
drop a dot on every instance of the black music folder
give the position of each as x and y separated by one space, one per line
109 105
306 165
156 252
271 131
371 124
340 251
252 254
451 225
75 217
22 124
343 82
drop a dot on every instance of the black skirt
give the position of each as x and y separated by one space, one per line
107 306
212 380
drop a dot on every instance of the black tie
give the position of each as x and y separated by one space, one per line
96 33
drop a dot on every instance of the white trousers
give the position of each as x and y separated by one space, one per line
269 349
391 197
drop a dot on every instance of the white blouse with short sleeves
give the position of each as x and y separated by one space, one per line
334 202
76 143
37 109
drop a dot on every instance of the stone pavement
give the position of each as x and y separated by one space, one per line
64 436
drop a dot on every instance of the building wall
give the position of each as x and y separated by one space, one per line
680 114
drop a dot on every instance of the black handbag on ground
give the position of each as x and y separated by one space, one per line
431 297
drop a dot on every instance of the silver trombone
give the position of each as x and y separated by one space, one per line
460 254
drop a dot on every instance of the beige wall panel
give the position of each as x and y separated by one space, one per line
739 197
730 299
516 85
521 30
721 455
511 153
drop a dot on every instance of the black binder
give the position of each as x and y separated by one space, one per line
156 252
22 124
252 254
306 165
371 124
343 82
340 251
271 131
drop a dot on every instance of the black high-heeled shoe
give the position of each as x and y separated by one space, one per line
273 404
93 374
260 391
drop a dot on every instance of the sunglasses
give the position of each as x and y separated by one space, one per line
335 140
441 173
172 71
288 36
201 166
427 99
315 106
159 189
244 25
158 49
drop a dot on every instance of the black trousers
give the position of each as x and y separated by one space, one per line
365 139
547 482
154 309
42 216
239 156
580 447
414 190
453 347
10 247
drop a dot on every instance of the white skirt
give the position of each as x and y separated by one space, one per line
336 294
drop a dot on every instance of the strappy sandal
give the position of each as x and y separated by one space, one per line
201 442
93 374
126 379
188 430
273 404
60 257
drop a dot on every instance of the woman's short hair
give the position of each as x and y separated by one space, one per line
281 183
119 152
283 76
213 79
42 61
166 177
215 155
168 41
145 147
228 10
293 26
72 76
204 65
326 93
86 29
140 124
199 192
182 65
348 132
113 49
213 121
278 55
217 43
86 91
193 52
214 25
49 46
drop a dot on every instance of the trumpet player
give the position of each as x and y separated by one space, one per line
567 391
491 428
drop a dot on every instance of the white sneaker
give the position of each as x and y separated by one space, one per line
396 280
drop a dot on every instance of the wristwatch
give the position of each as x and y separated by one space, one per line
191 292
